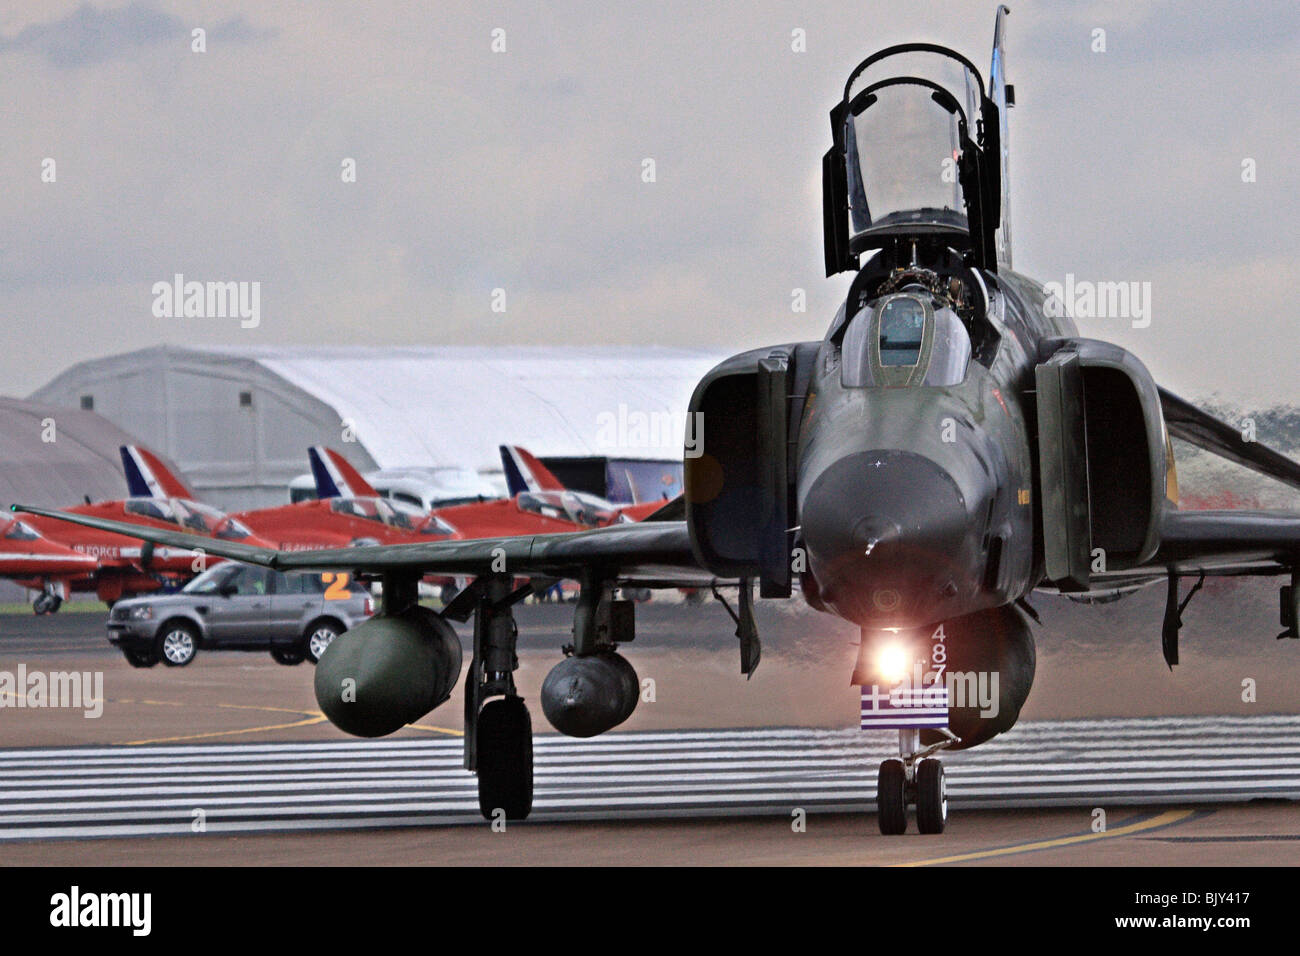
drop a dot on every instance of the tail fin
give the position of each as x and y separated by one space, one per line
1003 96
526 473
631 486
335 477
148 477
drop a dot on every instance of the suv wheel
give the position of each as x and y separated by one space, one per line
177 644
141 658
318 637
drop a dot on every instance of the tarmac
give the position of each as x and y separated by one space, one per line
717 769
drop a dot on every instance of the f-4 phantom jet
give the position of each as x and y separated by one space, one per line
951 446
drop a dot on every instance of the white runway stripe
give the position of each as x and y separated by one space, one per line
243 788
1144 728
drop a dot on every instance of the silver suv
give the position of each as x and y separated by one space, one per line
239 607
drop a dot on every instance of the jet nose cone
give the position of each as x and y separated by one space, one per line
886 533
872 531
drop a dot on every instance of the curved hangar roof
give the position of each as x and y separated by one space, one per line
408 405
81 461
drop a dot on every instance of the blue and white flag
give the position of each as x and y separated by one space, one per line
904 707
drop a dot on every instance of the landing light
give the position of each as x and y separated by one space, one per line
891 663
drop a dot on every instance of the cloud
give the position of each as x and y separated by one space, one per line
522 170
90 35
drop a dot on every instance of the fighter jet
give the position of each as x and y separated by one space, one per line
525 474
32 560
113 565
949 447
346 512
349 512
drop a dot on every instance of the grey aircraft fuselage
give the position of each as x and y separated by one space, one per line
916 502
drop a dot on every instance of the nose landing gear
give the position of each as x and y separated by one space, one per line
914 777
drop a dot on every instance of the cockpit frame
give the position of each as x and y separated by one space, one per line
978 170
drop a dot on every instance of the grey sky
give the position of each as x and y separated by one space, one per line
522 170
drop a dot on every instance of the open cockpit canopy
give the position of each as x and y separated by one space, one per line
917 151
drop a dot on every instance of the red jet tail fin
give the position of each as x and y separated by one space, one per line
335 476
525 473
148 477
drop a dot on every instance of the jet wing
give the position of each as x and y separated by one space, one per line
649 553
1220 544
1234 537
1184 420
1213 543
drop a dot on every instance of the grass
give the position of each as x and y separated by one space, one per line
69 607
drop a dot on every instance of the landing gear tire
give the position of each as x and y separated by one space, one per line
505 759
177 645
140 658
47 603
891 797
288 658
931 797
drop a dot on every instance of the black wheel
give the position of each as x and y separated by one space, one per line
140 658
931 797
56 602
505 759
42 603
288 658
891 797
318 636
177 643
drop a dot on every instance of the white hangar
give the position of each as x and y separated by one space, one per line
238 420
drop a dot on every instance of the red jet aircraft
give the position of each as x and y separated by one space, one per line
111 565
348 512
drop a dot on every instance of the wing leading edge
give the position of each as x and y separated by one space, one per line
656 553
1196 427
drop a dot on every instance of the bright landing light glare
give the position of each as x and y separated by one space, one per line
891 663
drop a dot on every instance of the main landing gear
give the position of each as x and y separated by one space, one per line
498 730
47 603
913 777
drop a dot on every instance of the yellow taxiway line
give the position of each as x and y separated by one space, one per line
1165 819
309 717
436 730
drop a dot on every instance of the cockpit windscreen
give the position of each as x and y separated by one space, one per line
904 340
902 141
